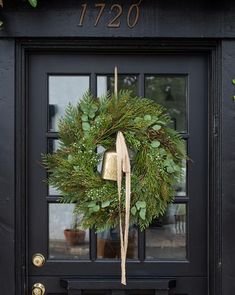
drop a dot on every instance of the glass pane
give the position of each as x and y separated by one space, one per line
62 90
106 83
53 145
182 184
67 240
108 244
166 237
171 92
181 188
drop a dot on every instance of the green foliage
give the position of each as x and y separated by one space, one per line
33 3
156 153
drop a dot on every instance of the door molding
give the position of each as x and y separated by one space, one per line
210 48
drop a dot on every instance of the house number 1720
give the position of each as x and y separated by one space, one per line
116 10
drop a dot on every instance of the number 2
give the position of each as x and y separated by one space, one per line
132 18
115 22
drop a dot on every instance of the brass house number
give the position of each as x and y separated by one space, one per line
116 10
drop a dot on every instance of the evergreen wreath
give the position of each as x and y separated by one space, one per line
157 154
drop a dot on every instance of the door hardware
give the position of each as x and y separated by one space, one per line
38 289
38 260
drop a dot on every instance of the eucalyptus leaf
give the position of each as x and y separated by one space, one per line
137 119
84 107
96 208
90 211
97 119
167 162
84 118
140 204
33 3
162 152
147 118
157 127
142 213
94 107
86 126
170 169
162 122
133 210
155 143
70 158
92 204
154 118
91 114
105 204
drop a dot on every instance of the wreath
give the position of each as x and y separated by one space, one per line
156 152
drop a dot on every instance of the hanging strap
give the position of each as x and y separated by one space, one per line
123 165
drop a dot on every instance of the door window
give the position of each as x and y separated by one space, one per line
62 90
166 238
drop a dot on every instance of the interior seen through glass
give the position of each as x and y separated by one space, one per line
105 83
171 92
62 90
67 239
166 236
108 244
181 186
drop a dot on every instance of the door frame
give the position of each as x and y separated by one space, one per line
210 48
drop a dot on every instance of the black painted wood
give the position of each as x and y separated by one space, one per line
159 19
101 284
159 286
7 173
214 202
184 19
227 264
194 66
184 285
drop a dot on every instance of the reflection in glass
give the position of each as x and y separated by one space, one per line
108 244
166 236
53 145
171 92
62 90
67 240
181 187
126 82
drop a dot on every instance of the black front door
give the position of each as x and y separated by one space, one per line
173 250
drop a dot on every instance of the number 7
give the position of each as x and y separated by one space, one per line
102 7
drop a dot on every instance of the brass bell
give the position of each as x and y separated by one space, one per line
109 165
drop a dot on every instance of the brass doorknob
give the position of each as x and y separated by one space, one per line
38 260
38 289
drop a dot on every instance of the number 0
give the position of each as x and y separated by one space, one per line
136 18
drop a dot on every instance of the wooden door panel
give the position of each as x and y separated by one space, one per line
194 68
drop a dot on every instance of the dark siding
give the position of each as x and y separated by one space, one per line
7 258
158 18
